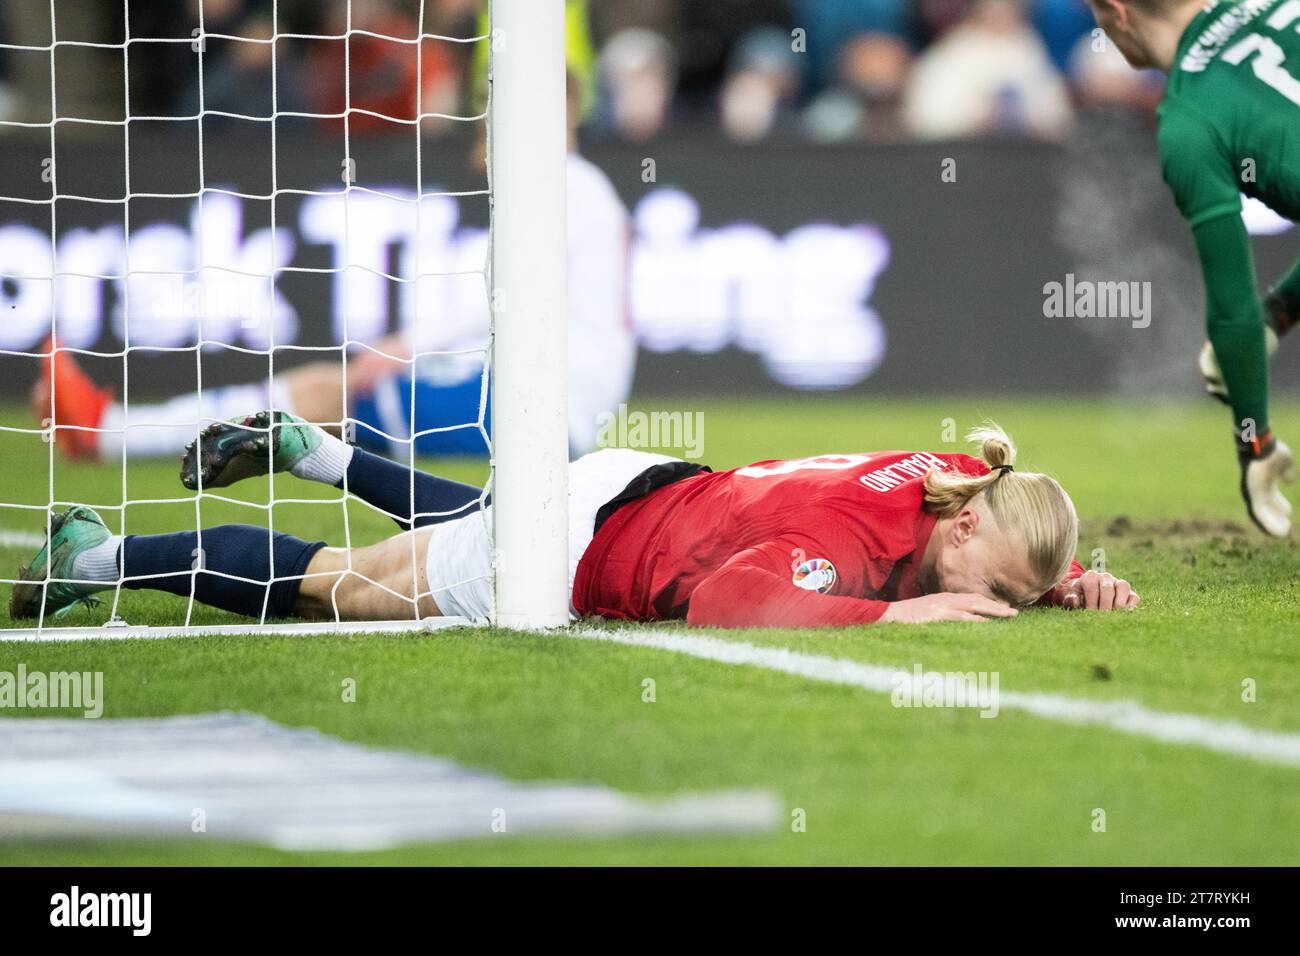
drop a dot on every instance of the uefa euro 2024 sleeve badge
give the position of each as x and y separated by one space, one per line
815 574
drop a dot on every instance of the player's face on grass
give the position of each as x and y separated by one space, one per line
976 556
1118 20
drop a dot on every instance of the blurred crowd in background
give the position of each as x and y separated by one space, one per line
819 70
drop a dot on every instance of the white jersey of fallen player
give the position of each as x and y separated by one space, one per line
602 344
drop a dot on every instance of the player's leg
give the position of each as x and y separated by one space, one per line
1208 365
231 451
1266 463
243 569
1239 336
446 568
1281 312
382 582
94 423
159 430
454 559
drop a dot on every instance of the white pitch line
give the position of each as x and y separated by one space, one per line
1126 716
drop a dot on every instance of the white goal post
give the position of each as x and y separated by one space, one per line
527 143
525 275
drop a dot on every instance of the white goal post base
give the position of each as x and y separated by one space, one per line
116 632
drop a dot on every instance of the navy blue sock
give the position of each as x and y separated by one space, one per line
387 484
237 549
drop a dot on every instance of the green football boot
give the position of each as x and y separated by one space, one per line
71 533
227 452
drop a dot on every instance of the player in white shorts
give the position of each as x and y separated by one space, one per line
832 540
459 552
256 571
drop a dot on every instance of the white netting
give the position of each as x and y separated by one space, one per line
211 283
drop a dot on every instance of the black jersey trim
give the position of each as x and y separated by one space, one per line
652 479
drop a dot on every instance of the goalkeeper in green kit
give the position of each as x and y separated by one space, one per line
1229 124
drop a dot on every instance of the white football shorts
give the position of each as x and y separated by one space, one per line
458 567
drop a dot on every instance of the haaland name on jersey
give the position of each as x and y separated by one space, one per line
891 476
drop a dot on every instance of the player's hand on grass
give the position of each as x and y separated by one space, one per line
946 606
1097 591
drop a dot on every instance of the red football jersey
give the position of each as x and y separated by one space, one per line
806 542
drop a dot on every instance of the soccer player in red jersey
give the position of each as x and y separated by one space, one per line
844 539
823 541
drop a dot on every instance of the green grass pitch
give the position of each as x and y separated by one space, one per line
1155 486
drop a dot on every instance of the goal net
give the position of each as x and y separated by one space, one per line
312 216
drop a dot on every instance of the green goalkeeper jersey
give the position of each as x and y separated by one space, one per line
1230 124
1230 119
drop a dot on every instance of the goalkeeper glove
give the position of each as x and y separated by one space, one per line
1265 464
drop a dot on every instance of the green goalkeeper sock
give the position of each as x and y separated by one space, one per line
1235 321
1243 358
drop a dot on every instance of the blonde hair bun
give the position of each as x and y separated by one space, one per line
1031 506
996 446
